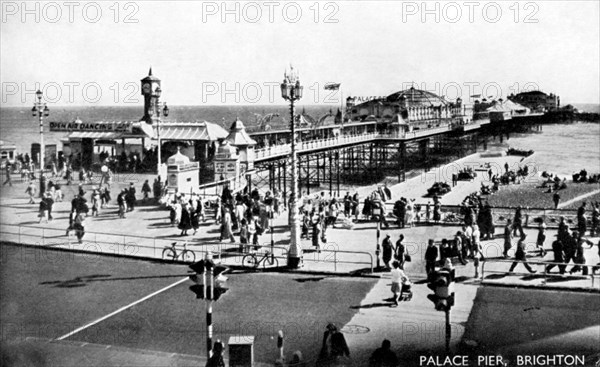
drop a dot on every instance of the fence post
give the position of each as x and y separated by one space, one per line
334 260
43 237
19 234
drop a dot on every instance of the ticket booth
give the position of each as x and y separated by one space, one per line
182 175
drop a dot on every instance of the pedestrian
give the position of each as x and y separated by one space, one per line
82 175
595 229
410 214
79 226
146 190
216 360
58 193
30 190
104 197
506 167
185 223
95 201
122 202
558 250
490 173
579 258
8 176
520 256
387 251
400 251
437 212
157 189
42 185
69 174
43 211
507 238
50 203
316 231
556 199
581 220
518 222
431 255
384 356
226 230
194 217
541 238
333 348
428 211
460 249
477 248
131 199
244 235
467 238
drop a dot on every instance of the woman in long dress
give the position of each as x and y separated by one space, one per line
185 223
226 231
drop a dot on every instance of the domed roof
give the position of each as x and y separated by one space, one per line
238 135
237 125
178 158
417 97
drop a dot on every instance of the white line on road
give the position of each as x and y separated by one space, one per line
122 309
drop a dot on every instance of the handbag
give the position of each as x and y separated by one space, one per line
407 258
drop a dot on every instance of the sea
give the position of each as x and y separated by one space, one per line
559 148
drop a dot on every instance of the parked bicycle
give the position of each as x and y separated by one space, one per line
170 252
253 260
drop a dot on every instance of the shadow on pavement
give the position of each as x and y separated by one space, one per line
372 305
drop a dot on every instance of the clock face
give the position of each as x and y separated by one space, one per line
146 88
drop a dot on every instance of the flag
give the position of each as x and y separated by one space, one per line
476 96
332 86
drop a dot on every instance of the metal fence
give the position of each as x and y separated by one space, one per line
109 244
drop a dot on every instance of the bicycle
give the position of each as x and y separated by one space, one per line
170 252
252 260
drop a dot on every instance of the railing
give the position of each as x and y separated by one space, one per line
591 269
283 149
101 243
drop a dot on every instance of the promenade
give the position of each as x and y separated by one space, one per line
146 231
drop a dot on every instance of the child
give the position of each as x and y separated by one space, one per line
243 235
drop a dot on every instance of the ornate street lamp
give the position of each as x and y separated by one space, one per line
165 112
40 110
291 90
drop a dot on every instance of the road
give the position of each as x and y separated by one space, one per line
48 294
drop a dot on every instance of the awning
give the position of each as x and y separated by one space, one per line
192 131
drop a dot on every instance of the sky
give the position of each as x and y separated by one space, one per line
215 52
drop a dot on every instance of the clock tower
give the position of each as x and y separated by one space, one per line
149 86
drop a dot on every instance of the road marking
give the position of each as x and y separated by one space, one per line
122 309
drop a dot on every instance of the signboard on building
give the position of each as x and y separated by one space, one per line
126 126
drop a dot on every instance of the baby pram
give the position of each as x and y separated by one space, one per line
406 292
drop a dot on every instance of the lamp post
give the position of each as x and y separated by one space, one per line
291 91
165 113
40 110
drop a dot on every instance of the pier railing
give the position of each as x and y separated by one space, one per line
304 146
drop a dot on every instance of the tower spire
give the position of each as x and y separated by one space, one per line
150 71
